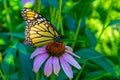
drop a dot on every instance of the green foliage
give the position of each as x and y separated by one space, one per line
91 27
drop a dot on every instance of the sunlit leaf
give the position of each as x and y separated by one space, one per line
2 42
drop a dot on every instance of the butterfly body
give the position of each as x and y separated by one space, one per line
39 31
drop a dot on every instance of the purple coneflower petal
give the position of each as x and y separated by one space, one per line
24 2
66 67
37 52
69 48
72 53
39 61
48 67
56 65
71 60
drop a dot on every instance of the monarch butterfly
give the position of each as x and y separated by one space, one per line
39 31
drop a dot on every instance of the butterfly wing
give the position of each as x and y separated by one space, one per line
38 31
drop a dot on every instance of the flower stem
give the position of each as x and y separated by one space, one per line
80 71
60 17
104 28
52 14
37 76
1 74
37 5
8 19
52 77
77 33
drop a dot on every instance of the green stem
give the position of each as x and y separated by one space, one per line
118 54
37 5
52 77
100 35
104 28
106 22
1 74
60 17
77 33
7 16
52 14
57 19
37 76
62 31
80 71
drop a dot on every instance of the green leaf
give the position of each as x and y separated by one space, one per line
10 50
18 35
97 58
14 76
20 26
96 75
2 42
25 64
88 54
82 22
91 37
21 48
8 64
25 67
113 22
54 3
62 76
104 64
71 23
45 3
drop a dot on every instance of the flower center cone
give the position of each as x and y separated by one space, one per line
55 48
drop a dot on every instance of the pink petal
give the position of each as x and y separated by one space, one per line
71 60
39 61
69 48
73 54
56 65
48 67
37 52
66 67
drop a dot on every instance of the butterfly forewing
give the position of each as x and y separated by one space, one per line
38 31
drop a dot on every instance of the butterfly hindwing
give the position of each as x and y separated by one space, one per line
38 31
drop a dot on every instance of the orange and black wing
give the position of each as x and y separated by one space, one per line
38 31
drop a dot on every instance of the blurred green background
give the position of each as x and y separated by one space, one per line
91 27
